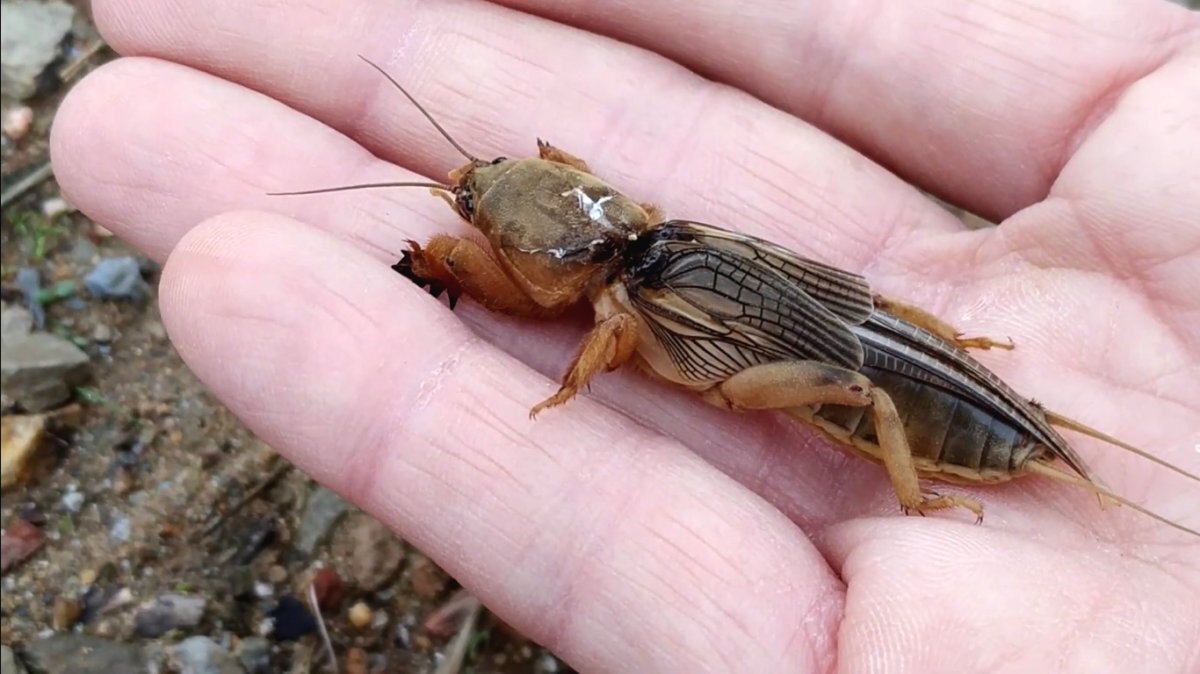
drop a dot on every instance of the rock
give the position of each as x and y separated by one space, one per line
360 615
291 619
20 439
9 662
17 542
15 322
39 370
118 278
355 662
546 664
73 499
201 655
56 206
81 654
66 613
30 36
428 580
120 529
17 122
255 655
373 553
322 510
329 588
29 280
102 334
170 611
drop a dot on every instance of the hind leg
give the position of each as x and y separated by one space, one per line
793 384
550 153
927 321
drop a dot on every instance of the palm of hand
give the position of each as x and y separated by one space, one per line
654 533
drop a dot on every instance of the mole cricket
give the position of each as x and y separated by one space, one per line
742 322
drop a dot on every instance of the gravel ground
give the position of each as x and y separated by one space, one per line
144 527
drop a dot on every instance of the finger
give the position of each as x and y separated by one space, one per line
614 547
497 79
1003 603
980 102
150 148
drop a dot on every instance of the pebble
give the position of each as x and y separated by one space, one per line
17 122
117 278
373 552
39 371
78 653
355 661
329 588
18 542
255 655
29 280
15 322
88 577
121 529
202 655
546 664
9 662
291 620
32 33
428 580
56 206
102 334
66 613
72 499
20 437
360 615
168 612
322 510
277 574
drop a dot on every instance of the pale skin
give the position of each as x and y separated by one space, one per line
638 528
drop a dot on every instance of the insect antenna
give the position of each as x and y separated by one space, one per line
1056 474
364 186
1064 422
425 112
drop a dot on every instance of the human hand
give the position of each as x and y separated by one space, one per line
637 529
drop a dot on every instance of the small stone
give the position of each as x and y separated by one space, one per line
546 664
9 662
277 574
118 278
428 580
360 615
56 206
88 577
255 655
123 481
17 122
32 33
15 322
39 371
168 612
102 334
322 510
121 529
66 613
72 499
202 655
77 654
373 552
329 588
20 438
291 619
18 542
355 661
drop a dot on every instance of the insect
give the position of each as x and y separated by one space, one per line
742 322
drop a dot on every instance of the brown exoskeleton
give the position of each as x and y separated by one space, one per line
745 323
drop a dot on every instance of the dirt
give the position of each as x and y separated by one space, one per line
152 488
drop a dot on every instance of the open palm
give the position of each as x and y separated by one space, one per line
636 528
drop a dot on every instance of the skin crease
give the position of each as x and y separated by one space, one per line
635 529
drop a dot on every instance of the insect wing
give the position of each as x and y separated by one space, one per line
846 294
718 305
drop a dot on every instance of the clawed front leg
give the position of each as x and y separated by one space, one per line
462 267
608 346
793 384
927 321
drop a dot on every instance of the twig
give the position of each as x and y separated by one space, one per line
456 650
249 496
28 182
71 70
316 609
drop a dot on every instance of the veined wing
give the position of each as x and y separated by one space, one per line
846 294
717 305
